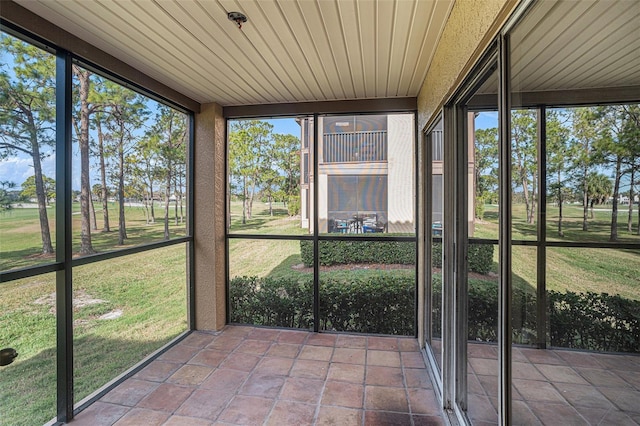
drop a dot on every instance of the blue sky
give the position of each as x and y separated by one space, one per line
285 126
18 168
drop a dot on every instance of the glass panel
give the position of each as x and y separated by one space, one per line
591 173
485 176
368 287
265 183
366 175
28 318
482 352
595 312
482 187
593 187
525 331
437 204
524 299
125 309
271 282
27 154
129 168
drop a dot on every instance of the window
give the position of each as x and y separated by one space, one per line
360 197
274 228
127 167
542 171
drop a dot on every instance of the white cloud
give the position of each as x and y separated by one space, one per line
18 169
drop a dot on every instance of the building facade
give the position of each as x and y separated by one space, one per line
366 173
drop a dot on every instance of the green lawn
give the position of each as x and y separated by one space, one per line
147 290
613 271
278 258
21 243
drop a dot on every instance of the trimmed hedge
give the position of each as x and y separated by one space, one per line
388 252
600 322
480 257
344 252
590 321
272 302
384 305
380 305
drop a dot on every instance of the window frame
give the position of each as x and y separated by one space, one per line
64 263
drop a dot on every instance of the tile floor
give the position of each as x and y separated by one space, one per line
254 376
557 387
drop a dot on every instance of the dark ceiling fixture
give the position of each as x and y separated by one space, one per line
238 17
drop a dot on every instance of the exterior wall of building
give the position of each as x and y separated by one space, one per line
323 202
399 169
471 27
401 173
306 198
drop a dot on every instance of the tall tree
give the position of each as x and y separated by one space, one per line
171 127
126 113
585 134
179 183
599 189
249 142
87 104
615 147
633 141
27 114
104 188
485 159
145 166
286 153
523 142
558 155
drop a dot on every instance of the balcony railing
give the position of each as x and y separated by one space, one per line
358 147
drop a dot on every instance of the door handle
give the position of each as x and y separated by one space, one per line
7 356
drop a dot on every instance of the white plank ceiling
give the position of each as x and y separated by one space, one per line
583 44
288 51
570 45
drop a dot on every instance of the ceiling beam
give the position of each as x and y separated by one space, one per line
561 98
384 105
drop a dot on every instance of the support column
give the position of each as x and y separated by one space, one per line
209 218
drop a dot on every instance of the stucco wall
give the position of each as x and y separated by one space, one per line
470 28
401 178
209 218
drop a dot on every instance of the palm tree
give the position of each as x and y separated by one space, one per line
599 189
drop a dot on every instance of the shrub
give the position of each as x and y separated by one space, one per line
480 257
345 252
383 305
388 252
273 302
293 205
436 255
589 321
594 321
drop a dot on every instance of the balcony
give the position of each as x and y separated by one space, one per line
357 147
